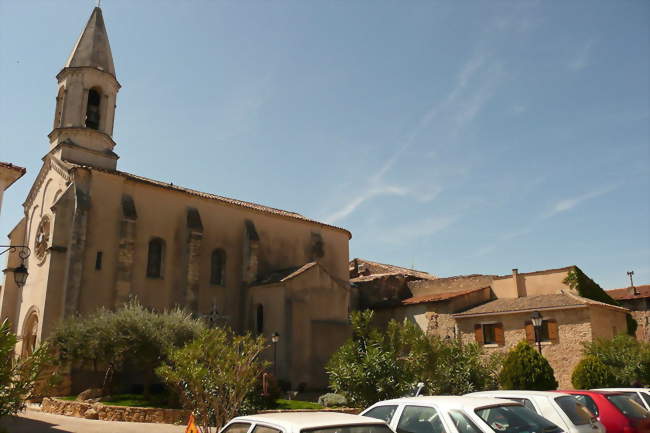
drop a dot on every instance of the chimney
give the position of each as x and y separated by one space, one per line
518 284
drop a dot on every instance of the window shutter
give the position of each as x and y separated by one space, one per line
478 333
498 334
553 333
530 333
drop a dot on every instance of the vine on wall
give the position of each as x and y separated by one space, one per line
588 288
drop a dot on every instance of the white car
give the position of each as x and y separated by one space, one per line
640 395
305 422
562 409
456 414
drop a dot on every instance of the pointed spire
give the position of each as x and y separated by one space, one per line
92 48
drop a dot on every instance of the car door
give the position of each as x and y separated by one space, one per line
421 419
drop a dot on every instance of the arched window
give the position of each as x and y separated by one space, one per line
259 319
92 109
155 258
30 331
217 267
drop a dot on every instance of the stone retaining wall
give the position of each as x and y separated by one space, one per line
114 413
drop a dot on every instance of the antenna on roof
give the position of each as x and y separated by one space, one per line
634 290
99 3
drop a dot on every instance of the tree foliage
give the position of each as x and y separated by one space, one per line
525 368
591 373
627 358
379 364
110 341
214 374
18 376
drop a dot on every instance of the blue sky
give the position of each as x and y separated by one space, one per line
456 137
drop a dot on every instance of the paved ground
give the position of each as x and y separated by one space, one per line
33 421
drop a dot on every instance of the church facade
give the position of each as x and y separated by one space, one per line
100 236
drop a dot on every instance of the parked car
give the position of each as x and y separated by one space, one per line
615 410
640 395
563 410
305 422
456 414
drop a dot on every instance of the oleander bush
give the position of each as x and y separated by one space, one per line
627 359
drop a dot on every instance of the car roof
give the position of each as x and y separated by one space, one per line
301 420
622 389
516 393
450 401
589 392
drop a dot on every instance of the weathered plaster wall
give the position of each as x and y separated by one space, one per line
451 284
531 283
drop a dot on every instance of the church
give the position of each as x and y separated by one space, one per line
99 237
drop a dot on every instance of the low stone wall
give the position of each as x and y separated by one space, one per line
114 413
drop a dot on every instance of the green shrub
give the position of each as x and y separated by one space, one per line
627 358
524 368
591 373
132 336
18 376
214 374
332 400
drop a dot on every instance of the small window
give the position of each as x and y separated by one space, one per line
489 333
420 419
98 260
264 429
217 265
384 413
587 401
259 319
237 427
92 109
576 411
155 258
462 423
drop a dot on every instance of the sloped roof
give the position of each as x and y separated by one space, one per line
439 297
13 167
11 173
381 270
224 200
531 303
626 293
283 275
92 48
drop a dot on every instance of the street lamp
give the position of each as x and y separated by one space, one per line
537 324
275 338
20 273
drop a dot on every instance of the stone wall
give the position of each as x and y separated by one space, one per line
574 327
114 413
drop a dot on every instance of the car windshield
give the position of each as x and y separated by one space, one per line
628 407
577 412
356 428
515 419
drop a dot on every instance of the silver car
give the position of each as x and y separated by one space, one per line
562 409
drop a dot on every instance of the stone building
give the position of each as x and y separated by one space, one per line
637 300
568 319
9 173
101 236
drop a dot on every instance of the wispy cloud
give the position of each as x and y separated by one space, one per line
571 202
581 58
415 229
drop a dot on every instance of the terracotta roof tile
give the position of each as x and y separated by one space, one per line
626 292
530 303
225 200
438 297
382 269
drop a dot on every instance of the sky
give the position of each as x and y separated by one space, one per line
452 137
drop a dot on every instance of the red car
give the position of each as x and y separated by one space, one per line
615 410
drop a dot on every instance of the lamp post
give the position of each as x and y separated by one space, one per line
275 338
20 272
537 325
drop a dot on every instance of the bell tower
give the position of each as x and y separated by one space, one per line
85 103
